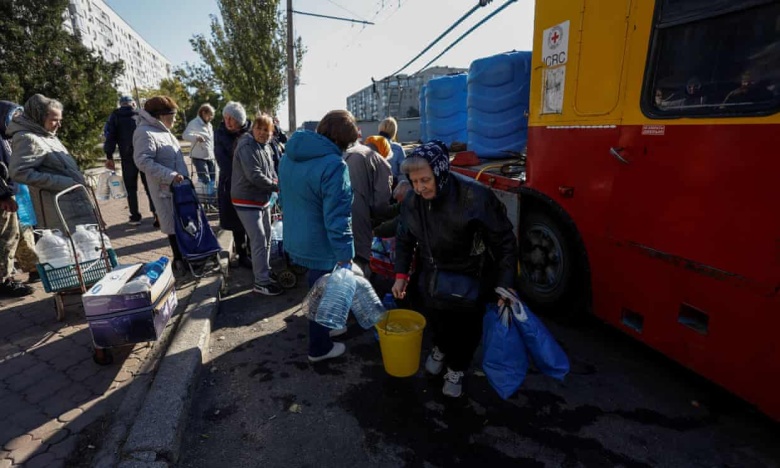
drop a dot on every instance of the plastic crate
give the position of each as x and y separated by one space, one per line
66 278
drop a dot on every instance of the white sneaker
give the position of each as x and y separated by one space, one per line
453 383
435 362
337 332
336 351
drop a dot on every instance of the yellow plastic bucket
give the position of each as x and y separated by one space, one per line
400 339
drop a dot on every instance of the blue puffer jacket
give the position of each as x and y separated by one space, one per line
317 200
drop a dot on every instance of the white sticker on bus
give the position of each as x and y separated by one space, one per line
555 44
552 98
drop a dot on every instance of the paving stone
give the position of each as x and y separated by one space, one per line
30 331
9 431
6 463
54 407
44 460
30 418
70 415
75 355
30 376
89 416
123 376
83 371
64 448
44 431
55 348
47 389
14 366
11 404
100 382
26 451
56 437
17 442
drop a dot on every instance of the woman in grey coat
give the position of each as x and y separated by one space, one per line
41 161
157 154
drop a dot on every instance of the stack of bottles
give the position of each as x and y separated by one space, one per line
150 274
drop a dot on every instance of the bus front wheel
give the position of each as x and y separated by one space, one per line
547 262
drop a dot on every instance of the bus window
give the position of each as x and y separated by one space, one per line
710 60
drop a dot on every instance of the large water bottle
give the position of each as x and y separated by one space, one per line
26 211
138 284
276 230
337 299
117 186
103 190
106 241
366 306
154 269
54 249
87 243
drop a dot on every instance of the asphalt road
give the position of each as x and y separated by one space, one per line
261 403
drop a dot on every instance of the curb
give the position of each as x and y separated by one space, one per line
154 437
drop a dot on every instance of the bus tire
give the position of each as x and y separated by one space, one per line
548 263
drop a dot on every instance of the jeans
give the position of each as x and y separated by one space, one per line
205 169
130 174
257 224
320 343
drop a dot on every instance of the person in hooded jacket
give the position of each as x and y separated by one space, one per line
234 124
316 196
41 161
157 153
9 221
458 225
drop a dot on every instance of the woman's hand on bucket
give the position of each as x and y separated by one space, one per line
399 288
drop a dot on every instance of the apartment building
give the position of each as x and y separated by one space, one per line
396 96
105 32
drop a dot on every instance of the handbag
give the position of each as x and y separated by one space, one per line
448 288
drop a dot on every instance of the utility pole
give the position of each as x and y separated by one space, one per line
290 68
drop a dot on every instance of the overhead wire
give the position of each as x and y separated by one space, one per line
463 36
348 10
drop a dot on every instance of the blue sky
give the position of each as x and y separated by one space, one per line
343 57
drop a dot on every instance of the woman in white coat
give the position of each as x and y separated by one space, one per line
157 153
200 134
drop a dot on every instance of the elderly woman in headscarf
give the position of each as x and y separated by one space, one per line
41 161
459 228
157 153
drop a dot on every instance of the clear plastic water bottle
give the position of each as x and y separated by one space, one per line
138 284
103 191
26 211
117 186
276 230
87 243
54 249
337 299
106 241
272 200
366 306
154 269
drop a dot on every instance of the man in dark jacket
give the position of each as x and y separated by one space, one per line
234 124
9 223
119 132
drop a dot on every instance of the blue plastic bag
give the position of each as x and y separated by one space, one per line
505 362
545 352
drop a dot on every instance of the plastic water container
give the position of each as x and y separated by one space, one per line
337 299
87 243
277 228
498 101
445 108
423 127
312 300
389 301
154 269
366 306
54 249
26 211
106 240
103 189
117 186
138 284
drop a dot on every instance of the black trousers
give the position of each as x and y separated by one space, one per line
130 175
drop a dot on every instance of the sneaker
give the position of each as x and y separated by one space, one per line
435 362
267 289
134 221
12 288
453 383
336 351
156 222
273 278
337 332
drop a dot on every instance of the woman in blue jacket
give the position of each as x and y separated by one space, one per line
317 200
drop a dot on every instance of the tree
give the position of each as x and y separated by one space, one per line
246 54
37 55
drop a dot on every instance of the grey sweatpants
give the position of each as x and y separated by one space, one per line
257 224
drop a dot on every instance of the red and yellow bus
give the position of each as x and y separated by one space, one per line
652 190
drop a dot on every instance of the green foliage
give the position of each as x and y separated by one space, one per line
246 54
38 56
204 89
175 89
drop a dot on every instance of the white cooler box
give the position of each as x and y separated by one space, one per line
117 319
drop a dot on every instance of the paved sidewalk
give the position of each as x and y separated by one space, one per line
50 389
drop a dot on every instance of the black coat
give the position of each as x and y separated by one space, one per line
468 231
119 132
224 144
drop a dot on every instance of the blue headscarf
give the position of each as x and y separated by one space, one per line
435 152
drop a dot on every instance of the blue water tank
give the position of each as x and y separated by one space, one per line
445 108
498 99
423 126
